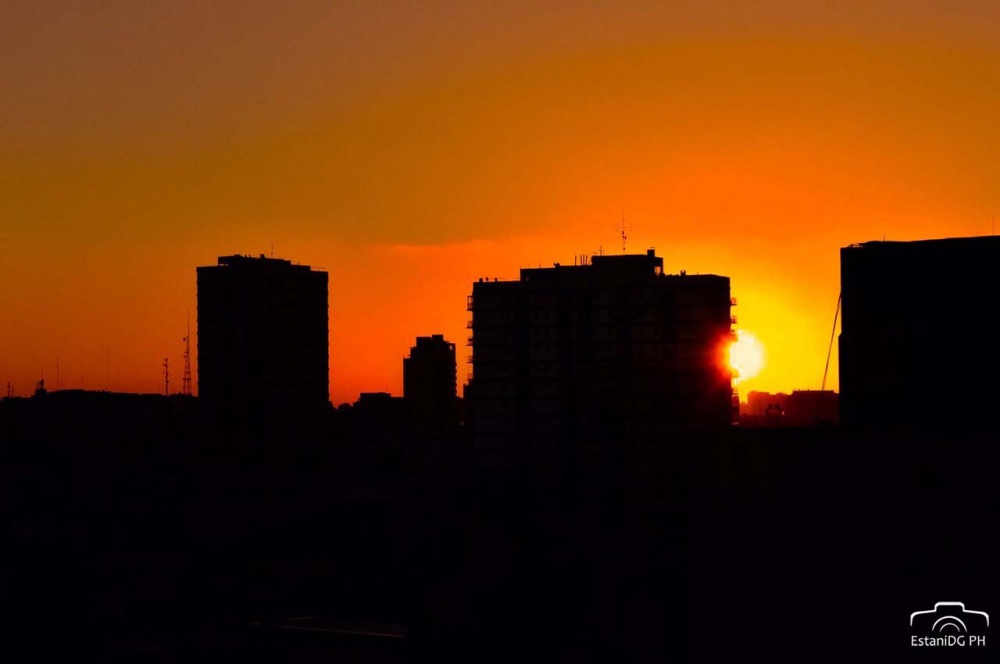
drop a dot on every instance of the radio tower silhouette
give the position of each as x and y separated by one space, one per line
166 377
186 383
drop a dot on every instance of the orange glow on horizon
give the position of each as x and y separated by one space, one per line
410 152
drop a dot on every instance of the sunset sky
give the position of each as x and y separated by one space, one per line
411 148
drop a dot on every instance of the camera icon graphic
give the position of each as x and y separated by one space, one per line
949 618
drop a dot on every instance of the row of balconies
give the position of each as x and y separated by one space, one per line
545 326
598 333
569 298
697 352
557 321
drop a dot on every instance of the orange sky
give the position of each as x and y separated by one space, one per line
410 148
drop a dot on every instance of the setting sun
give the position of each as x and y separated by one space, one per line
746 356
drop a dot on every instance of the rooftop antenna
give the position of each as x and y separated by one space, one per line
272 251
109 368
57 373
186 383
623 228
166 377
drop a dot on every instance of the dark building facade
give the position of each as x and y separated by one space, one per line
608 348
916 346
430 383
764 409
801 408
263 335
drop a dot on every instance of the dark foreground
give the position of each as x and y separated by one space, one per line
156 541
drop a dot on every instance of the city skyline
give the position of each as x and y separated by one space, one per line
412 151
68 375
457 331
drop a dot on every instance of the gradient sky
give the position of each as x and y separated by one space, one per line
410 148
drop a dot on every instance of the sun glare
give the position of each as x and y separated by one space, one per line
746 356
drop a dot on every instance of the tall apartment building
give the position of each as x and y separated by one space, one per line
915 346
263 335
430 383
612 347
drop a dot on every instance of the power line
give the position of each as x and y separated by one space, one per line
829 349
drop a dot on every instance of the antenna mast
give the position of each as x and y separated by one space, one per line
166 377
623 228
186 381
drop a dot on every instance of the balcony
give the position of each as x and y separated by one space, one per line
732 301
468 303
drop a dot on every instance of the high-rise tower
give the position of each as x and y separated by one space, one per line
263 335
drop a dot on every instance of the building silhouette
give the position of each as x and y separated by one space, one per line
916 347
609 347
377 412
430 384
263 335
801 408
764 408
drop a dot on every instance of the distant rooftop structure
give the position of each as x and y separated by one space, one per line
624 265
801 408
932 244
260 260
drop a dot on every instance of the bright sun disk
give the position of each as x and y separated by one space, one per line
746 356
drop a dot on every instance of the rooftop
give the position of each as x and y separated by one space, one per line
951 242
259 262
243 259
